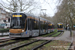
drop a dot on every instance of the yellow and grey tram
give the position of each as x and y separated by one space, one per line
26 25
51 26
60 27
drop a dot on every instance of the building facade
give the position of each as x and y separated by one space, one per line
4 16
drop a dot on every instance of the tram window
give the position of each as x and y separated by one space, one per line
52 26
44 26
32 23
41 23
48 26
35 24
60 26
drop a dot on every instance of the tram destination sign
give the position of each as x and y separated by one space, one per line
17 15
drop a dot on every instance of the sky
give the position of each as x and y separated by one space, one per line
48 7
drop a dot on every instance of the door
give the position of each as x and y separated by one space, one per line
30 27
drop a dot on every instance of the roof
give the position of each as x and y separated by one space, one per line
32 15
59 23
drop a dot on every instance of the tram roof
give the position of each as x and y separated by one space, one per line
59 23
32 15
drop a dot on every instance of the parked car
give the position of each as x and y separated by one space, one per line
4 25
1 26
7 25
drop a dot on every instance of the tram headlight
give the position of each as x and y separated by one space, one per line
22 30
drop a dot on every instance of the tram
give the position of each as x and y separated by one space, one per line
27 25
51 26
60 27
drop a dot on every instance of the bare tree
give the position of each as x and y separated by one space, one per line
65 12
18 5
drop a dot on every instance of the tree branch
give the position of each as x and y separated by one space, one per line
6 7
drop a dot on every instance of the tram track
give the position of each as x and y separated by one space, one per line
18 47
17 41
5 40
24 45
39 46
8 43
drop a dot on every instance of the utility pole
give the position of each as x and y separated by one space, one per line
44 12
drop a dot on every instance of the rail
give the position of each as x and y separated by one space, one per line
44 43
17 48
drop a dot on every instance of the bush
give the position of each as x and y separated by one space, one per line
4 30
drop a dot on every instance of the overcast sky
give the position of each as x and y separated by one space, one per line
49 5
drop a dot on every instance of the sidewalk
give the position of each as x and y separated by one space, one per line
65 36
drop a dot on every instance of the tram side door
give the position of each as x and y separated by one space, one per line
30 27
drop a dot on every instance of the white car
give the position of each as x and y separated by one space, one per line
7 25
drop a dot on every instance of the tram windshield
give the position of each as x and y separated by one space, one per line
51 26
60 26
17 22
